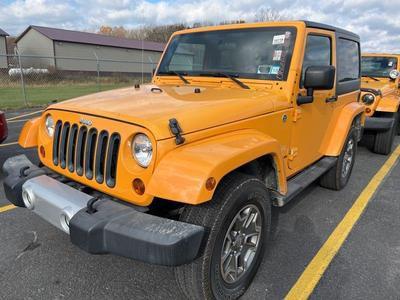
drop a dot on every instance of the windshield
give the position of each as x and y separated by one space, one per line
378 66
259 53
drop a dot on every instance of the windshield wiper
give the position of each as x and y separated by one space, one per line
180 75
230 76
376 79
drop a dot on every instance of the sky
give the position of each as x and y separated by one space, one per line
376 21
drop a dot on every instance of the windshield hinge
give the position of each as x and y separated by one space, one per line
176 131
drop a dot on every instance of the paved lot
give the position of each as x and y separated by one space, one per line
37 261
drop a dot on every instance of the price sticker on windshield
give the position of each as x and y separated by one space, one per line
278 39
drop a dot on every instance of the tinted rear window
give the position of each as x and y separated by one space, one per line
348 53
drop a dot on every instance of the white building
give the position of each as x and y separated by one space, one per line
3 49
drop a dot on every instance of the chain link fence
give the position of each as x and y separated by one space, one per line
38 80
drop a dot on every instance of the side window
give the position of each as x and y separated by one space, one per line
317 53
348 60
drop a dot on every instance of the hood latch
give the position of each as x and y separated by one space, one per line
176 131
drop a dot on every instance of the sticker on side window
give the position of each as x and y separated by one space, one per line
278 39
390 64
277 55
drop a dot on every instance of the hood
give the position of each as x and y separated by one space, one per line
153 106
385 85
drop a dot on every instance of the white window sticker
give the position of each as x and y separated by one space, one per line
390 64
277 55
274 70
278 39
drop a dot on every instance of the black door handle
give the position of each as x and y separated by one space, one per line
331 99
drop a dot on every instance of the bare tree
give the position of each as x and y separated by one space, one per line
239 21
148 33
267 14
163 33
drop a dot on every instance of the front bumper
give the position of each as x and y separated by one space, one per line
378 124
112 227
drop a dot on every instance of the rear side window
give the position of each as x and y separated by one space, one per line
348 60
317 53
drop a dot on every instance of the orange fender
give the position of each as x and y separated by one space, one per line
181 174
389 104
339 133
29 134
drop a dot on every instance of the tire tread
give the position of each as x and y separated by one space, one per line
192 282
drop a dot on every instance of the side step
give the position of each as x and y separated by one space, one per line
302 180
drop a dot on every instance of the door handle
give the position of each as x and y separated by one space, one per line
331 99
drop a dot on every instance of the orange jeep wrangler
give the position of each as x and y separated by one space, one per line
380 95
183 172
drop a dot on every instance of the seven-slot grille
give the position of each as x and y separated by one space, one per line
86 152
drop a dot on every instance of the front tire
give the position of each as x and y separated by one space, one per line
384 140
238 223
338 176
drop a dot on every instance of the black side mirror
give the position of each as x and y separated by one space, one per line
153 72
317 78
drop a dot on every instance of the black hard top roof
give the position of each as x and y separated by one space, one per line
332 28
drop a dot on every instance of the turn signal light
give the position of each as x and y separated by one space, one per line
42 152
210 183
138 186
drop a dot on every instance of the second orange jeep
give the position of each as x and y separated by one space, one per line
380 95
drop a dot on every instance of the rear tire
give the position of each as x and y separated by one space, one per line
239 199
338 176
384 140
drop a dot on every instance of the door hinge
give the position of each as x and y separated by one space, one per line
292 153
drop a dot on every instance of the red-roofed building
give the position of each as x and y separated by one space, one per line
78 51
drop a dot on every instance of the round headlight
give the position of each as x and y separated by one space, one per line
49 125
394 74
142 150
368 99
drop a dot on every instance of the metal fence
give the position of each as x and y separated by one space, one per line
40 80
